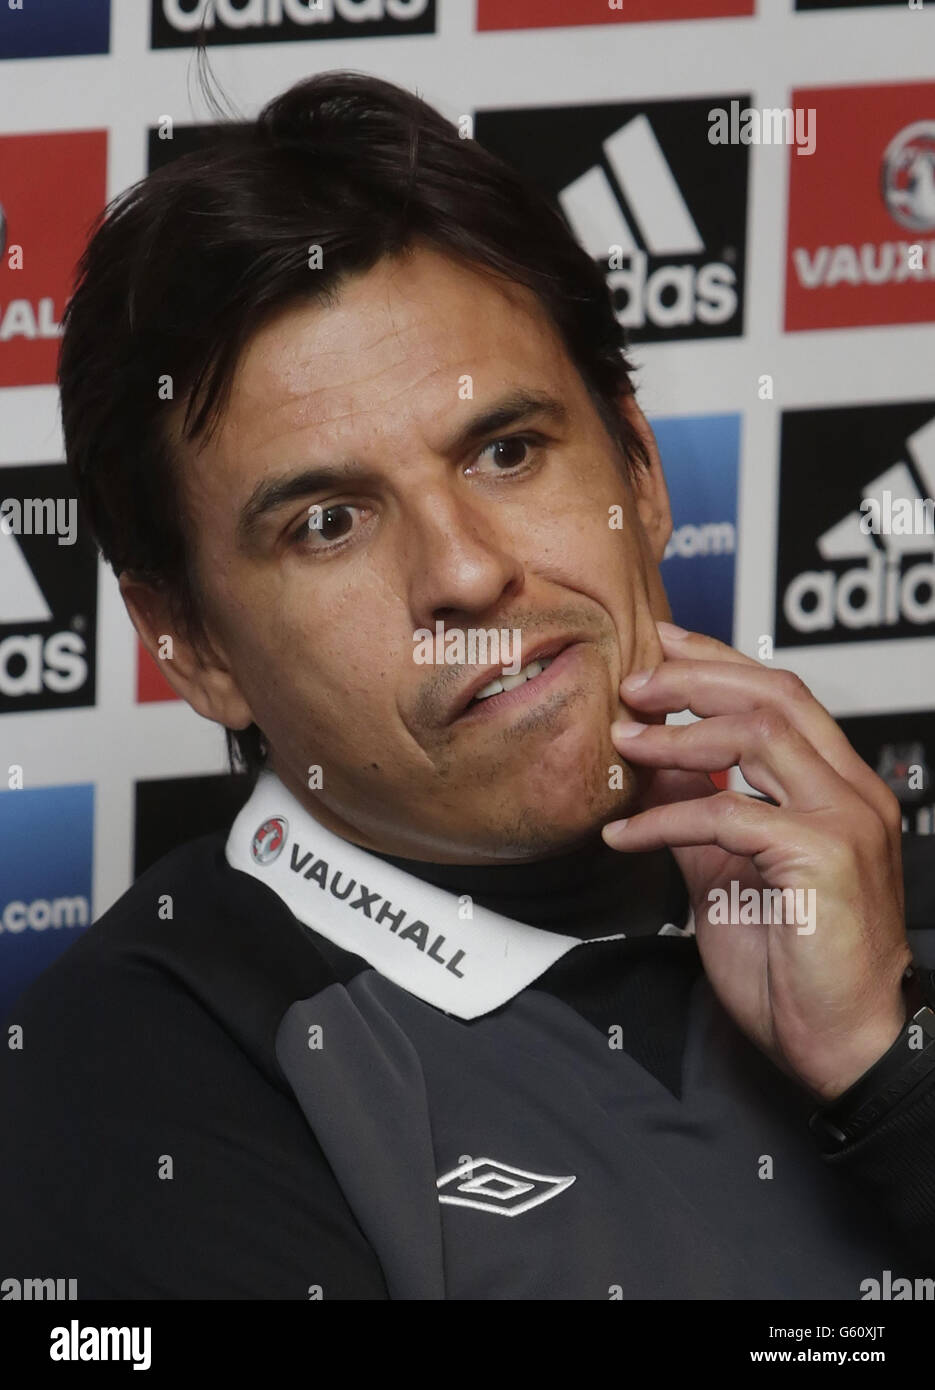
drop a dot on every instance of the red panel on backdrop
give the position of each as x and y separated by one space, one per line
857 206
51 189
554 14
151 684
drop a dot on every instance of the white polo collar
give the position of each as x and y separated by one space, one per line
414 933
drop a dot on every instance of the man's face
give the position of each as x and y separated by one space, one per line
529 521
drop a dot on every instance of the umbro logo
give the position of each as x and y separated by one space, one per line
487 1185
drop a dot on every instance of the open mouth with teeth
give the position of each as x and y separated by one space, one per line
502 682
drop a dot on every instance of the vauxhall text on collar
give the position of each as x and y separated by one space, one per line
459 956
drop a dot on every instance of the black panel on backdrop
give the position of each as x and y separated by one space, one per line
836 583
181 23
173 810
901 749
643 177
186 139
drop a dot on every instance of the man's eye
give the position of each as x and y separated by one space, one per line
324 526
511 452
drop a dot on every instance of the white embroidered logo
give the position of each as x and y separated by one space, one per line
487 1185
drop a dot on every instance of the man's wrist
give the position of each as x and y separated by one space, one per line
866 1050
906 1064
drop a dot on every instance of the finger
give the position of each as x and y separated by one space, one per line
667 785
736 823
720 687
678 642
770 752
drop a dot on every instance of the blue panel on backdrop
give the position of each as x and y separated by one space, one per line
47 836
700 457
54 28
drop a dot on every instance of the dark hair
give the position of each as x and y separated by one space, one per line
183 267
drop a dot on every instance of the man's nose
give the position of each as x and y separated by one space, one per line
459 560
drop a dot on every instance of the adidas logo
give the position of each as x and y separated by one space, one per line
257 14
31 663
660 226
21 599
888 584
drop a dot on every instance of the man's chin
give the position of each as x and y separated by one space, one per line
570 816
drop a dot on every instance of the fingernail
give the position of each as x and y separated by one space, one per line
612 831
624 730
634 681
670 630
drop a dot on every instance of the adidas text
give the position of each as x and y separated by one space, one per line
673 294
875 594
260 14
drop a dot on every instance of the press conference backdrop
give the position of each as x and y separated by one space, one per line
777 281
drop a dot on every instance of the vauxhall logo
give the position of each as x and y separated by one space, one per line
432 944
269 839
875 570
861 236
176 22
25 318
907 187
664 215
908 177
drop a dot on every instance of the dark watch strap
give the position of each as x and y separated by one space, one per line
909 1061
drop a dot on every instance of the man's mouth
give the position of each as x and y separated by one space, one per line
505 682
495 690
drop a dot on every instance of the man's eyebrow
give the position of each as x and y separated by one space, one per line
273 493
511 410
277 492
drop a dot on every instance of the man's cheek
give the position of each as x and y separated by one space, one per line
638 644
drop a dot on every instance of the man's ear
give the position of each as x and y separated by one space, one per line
649 485
193 668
